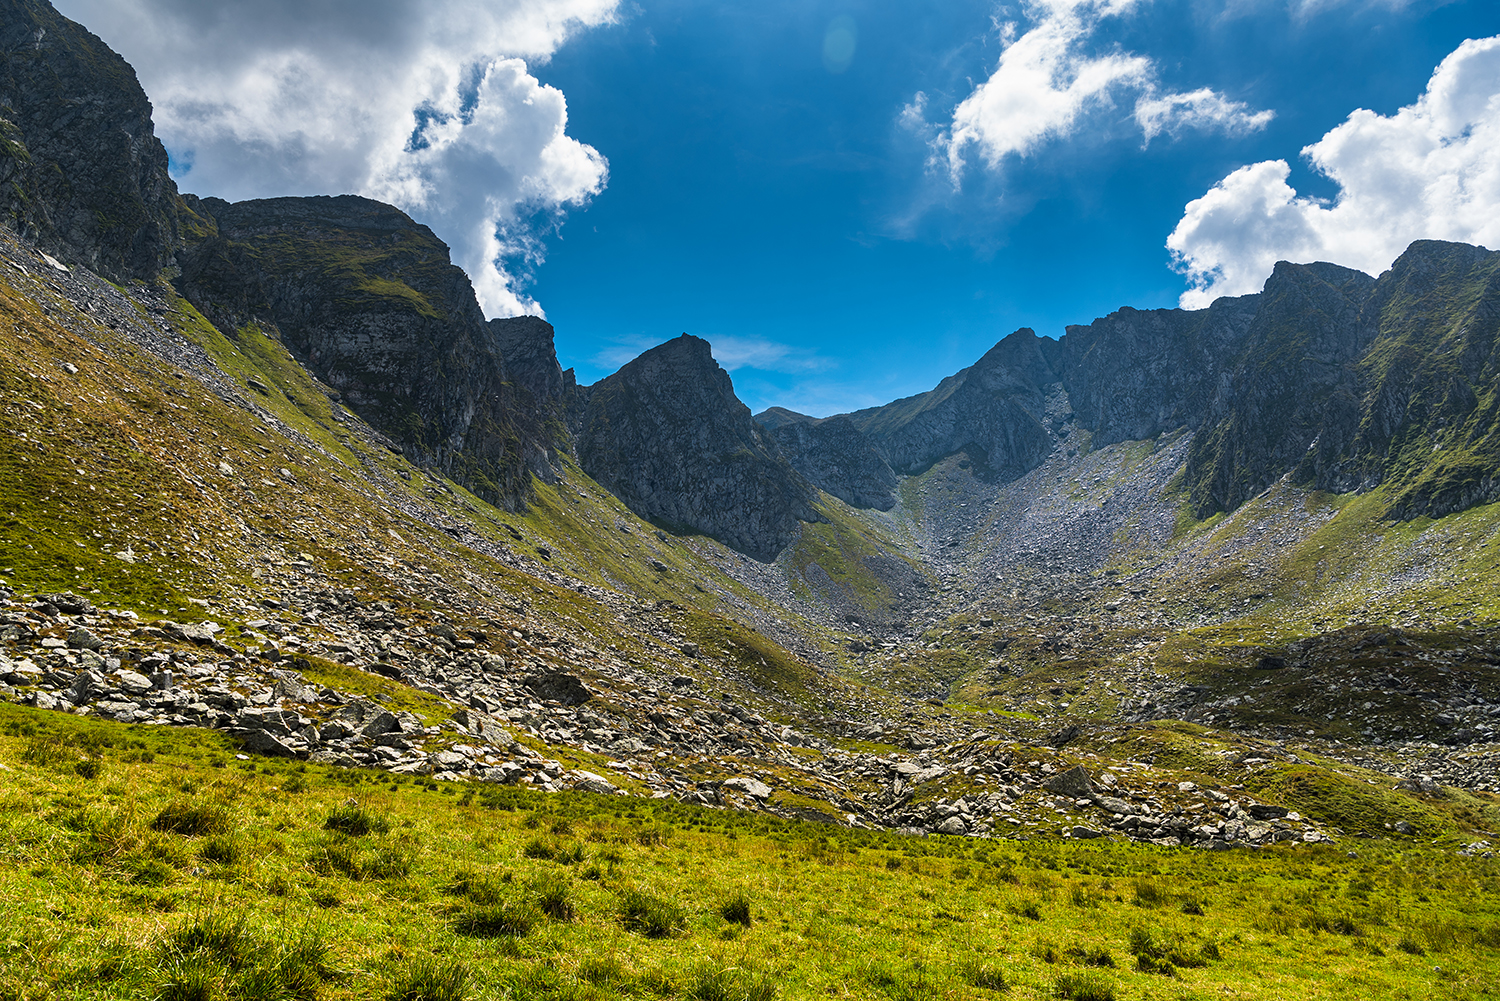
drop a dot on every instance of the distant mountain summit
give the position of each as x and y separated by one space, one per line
667 435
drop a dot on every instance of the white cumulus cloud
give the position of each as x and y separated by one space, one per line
429 104
1047 82
1429 171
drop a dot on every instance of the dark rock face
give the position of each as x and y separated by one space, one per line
1293 395
1430 420
81 170
369 301
1137 373
531 359
835 456
667 435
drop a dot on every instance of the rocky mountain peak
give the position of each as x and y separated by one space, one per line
369 300
82 173
667 435
526 343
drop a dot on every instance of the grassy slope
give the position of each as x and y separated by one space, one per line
124 455
99 894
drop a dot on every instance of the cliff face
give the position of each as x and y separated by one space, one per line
1292 395
1137 373
369 300
834 454
364 296
82 173
667 435
526 343
1429 424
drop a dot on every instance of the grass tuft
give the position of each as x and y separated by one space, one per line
736 909
552 896
355 821
711 983
429 979
987 976
191 818
649 915
509 919
1084 986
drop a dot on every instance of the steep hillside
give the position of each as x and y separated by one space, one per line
368 300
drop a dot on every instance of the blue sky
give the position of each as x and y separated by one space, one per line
755 196
850 199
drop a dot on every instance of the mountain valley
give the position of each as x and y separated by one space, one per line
1178 580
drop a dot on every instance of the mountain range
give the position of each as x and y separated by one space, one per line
289 418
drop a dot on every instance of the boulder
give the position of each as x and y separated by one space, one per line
449 761
1421 784
381 723
558 687
748 786
1073 783
135 684
80 638
589 782
953 825
68 603
261 742
1113 804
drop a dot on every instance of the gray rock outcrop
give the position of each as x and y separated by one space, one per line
667 435
368 300
82 173
833 455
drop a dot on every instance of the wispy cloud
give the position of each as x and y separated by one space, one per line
1047 83
766 355
1201 109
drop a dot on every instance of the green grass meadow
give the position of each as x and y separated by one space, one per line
144 862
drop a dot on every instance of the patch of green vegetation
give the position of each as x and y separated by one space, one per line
838 555
441 895
391 694
1351 805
